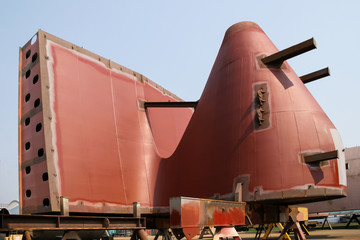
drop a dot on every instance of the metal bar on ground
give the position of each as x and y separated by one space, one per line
315 75
278 58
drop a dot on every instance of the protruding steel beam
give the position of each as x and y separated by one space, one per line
278 58
321 157
315 75
170 104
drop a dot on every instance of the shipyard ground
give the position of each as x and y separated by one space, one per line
319 234
352 233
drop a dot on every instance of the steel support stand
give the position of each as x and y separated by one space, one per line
259 231
164 233
326 221
268 231
205 231
295 226
271 227
353 217
303 227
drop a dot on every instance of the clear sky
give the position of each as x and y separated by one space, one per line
174 43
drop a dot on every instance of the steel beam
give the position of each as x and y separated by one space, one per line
170 104
48 222
315 75
278 58
321 157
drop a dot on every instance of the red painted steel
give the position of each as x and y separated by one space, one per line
352 201
224 147
192 214
103 151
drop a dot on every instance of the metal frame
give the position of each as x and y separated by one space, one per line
51 223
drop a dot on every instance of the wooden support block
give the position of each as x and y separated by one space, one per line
321 157
315 75
276 59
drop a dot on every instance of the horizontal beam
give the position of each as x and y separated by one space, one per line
315 75
278 58
48 222
321 157
170 104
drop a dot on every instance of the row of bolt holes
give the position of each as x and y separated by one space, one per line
37 129
35 78
45 176
28 96
46 201
34 57
36 103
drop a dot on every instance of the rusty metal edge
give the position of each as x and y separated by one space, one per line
19 126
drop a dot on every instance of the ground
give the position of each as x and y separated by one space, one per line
352 233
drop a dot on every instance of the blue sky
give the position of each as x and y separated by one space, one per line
174 43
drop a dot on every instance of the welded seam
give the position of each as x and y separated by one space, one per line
117 139
298 137
142 145
51 80
278 145
317 131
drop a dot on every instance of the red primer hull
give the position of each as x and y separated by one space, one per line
103 151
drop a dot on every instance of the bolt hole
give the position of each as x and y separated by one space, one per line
37 103
27 121
28 53
27 145
38 127
36 79
27 169
27 74
40 152
34 57
28 193
27 97
45 177
46 202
